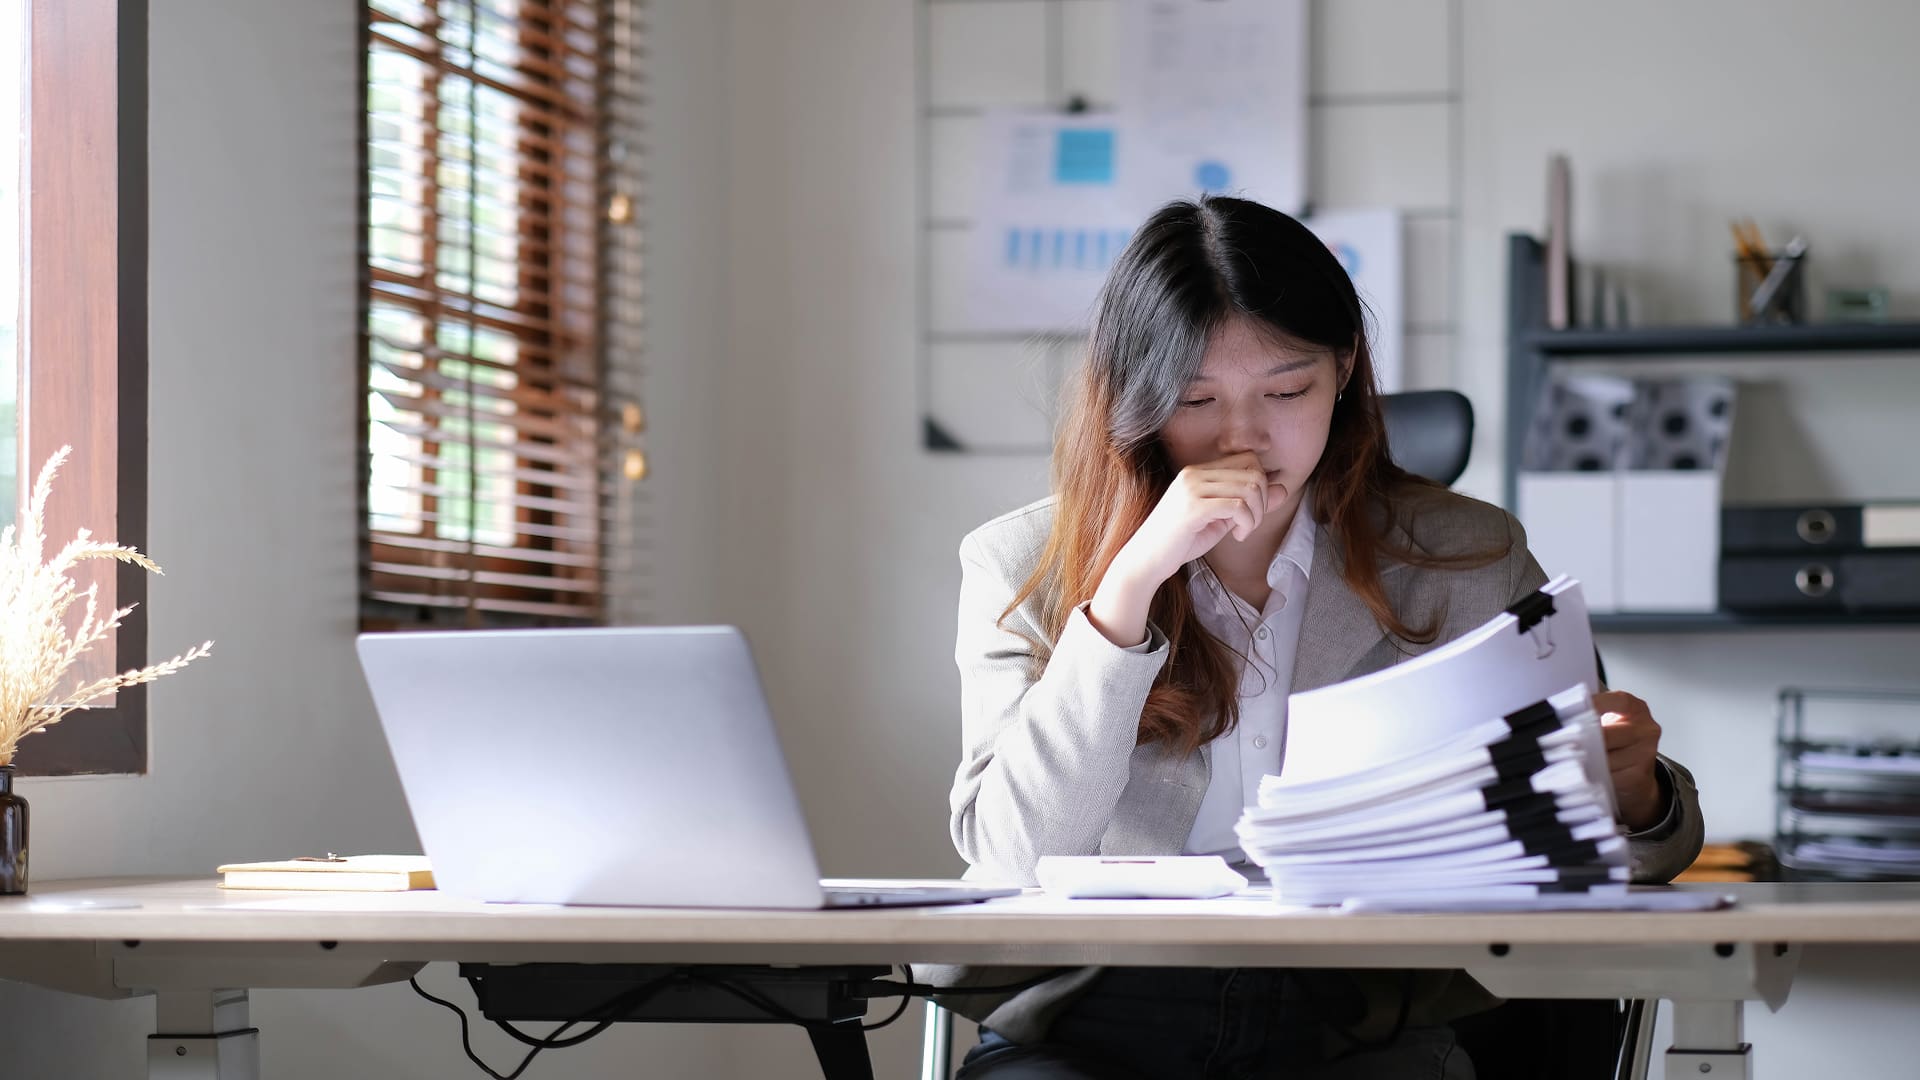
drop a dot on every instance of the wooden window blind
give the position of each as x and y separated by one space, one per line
499 197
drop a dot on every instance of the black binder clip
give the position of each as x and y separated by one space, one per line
1532 610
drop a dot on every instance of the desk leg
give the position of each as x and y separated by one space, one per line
202 1035
936 1044
841 1048
1709 1042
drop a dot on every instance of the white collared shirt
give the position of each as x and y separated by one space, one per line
1268 639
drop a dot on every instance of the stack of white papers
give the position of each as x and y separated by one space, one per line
1474 772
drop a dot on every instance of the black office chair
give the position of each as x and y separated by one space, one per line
1524 1039
1429 432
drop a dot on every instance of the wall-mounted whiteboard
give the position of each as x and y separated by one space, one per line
1378 149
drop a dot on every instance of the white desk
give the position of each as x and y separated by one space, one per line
199 949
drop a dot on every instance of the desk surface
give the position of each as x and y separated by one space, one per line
196 910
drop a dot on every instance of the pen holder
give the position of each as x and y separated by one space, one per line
1770 288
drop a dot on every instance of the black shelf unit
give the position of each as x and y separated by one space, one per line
1690 622
1531 347
1670 341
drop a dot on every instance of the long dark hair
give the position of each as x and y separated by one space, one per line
1189 269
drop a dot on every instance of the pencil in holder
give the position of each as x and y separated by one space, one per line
1770 288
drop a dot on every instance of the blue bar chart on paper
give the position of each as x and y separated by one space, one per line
1053 215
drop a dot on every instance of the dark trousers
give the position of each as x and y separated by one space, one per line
1214 1024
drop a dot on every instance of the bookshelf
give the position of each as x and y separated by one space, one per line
1532 347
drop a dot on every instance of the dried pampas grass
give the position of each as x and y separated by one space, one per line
36 647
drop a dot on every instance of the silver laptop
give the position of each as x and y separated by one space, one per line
603 766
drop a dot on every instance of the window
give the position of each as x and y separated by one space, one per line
13 62
76 285
500 223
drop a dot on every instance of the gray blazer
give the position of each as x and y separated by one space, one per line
1049 766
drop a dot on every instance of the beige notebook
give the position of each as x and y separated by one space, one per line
349 873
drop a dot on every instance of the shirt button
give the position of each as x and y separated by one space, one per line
1259 742
1261 633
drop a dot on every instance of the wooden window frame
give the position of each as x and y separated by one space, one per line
84 334
577 561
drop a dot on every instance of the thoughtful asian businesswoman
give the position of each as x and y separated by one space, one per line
1225 528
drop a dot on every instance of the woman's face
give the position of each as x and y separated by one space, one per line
1255 396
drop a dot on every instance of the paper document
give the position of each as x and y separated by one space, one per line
1369 245
1492 671
1215 95
1379 791
1401 827
1596 900
1903 764
1476 772
1255 902
1138 876
1053 215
